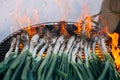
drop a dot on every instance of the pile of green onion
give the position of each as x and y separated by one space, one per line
63 60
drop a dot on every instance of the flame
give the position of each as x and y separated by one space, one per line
85 11
63 31
23 18
23 21
115 49
114 43
79 27
88 25
83 19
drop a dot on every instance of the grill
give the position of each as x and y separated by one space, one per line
54 27
38 28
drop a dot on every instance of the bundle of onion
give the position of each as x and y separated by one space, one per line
63 59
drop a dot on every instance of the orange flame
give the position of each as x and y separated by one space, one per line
88 19
115 49
63 31
79 27
114 44
88 25
23 20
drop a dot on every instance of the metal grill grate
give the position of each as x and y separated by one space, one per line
4 47
5 44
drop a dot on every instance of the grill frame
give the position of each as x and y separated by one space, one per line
5 44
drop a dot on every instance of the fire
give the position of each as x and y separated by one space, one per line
24 21
27 20
88 22
115 49
63 29
85 21
88 25
82 25
79 27
114 44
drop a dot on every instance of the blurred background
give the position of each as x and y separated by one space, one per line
16 14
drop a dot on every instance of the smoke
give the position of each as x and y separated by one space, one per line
48 11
